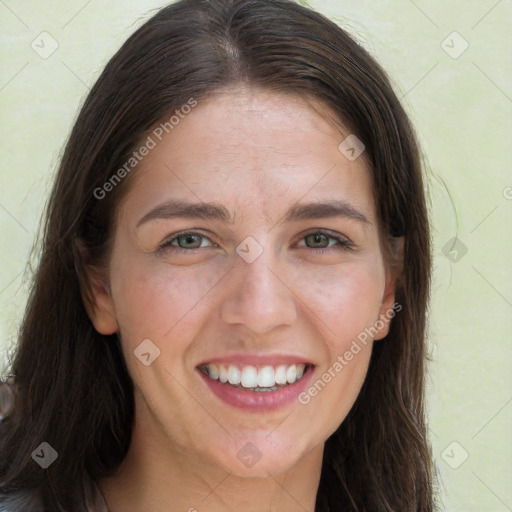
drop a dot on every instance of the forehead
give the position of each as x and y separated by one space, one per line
254 150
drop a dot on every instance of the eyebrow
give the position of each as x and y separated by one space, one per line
217 211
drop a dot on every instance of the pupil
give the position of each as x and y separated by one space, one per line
189 239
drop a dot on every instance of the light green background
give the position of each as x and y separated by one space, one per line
462 110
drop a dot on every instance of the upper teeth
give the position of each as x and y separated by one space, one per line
250 377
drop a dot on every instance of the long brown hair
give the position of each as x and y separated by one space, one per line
73 388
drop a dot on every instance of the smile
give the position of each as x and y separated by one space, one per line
250 378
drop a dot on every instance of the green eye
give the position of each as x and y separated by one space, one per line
321 240
189 241
318 241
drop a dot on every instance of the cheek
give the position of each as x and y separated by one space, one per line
155 300
346 298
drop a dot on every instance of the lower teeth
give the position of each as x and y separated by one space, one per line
258 389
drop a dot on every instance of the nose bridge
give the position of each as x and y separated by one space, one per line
258 278
258 297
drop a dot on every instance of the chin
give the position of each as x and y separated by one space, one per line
257 456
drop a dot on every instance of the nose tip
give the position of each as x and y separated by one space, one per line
257 296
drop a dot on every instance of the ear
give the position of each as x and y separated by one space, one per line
388 307
99 306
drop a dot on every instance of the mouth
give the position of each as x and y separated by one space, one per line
251 378
256 387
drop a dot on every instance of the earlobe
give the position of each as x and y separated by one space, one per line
100 307
386 312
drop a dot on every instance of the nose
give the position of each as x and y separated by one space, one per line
257 296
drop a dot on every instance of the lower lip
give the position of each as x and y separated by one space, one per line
259 400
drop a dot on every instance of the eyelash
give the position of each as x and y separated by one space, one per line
343 243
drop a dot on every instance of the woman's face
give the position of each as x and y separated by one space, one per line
247 248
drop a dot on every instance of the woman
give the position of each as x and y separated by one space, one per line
229 311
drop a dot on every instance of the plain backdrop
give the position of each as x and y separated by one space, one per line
451 63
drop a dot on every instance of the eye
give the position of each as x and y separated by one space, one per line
322 240
191 241
185 242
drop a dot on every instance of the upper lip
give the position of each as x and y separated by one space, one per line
258 359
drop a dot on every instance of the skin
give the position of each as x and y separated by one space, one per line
258 154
